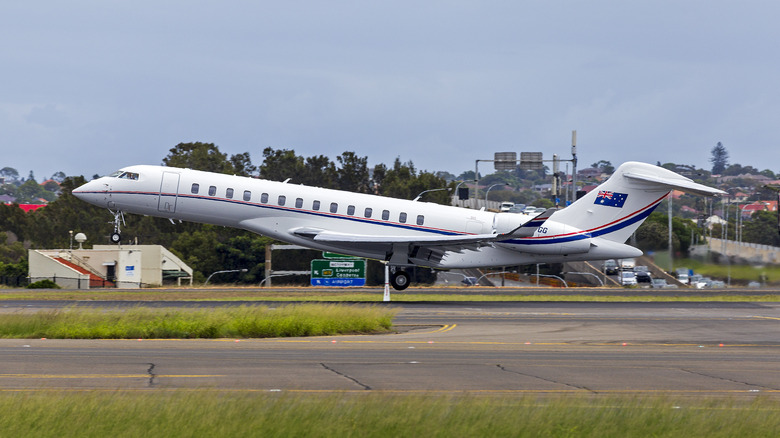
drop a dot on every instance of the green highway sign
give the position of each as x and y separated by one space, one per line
338 272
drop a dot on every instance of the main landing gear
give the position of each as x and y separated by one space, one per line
399 280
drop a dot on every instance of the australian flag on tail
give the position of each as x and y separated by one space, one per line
611 199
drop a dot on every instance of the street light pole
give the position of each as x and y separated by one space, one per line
431 190
488 191
223 272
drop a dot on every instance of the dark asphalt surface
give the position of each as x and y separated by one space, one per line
688 348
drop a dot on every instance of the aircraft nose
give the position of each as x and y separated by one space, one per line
89 192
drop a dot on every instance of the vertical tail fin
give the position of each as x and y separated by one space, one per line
616 208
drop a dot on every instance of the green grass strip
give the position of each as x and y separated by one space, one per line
222 322
361 295
248 414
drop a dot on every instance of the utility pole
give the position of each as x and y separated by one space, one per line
574 165
671 245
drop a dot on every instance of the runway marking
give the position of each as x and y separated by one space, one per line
102 376
370 339
443 329
766 317
751 392
662 392
518 343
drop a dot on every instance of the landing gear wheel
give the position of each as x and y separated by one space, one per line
119 218
399 280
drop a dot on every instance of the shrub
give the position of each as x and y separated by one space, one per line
43 284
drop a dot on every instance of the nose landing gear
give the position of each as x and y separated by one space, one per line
116 236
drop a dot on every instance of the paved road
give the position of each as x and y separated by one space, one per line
538 348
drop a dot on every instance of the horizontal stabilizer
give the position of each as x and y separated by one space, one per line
679 183
528 228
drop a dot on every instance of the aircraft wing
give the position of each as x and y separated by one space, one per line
319 235
448 242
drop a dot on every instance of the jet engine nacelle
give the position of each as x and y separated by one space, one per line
555 238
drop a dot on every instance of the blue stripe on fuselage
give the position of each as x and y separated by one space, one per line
633 218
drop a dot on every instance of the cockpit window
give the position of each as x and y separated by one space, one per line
124 175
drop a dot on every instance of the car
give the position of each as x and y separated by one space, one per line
703 283
717 284
610 267
628 278
754 285
627 264
682 275
518 208
642 274
529 209
506 206
469 281
660 283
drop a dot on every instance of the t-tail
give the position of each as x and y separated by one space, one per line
616 208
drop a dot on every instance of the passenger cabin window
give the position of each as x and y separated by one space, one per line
264 198
334 207
385 215
247 195
282 200
195 188
212 190
402 218
229 193
368 212
420 219
351 210
298 203
315 205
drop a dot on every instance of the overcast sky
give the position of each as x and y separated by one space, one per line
91 86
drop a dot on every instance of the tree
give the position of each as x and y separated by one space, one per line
281 164
353 174
10 174
719 159
604 166
30 191
320 172
762 228
207 157
652 236
242 164
403 181
58 176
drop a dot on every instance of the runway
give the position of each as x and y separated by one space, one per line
691 349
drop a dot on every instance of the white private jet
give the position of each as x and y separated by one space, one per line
399 232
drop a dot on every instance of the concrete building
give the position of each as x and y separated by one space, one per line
121 266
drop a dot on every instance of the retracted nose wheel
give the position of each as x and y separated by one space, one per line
399 280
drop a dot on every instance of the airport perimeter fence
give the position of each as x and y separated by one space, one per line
14 281
83 283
